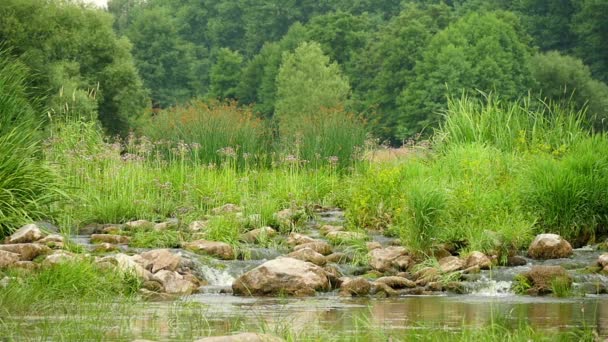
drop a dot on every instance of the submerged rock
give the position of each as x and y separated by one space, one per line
325 229
308 254
220 250
242 337
283 275
549 246
355 287
26 251
396 282
26 234
542 278
382 259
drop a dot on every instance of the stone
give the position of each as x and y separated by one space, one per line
258 234
227 208
338 258
156 296
173 282
111 229
541 277
26 265
403 263
53 241
396 282
325 229
58 257
426 275
109 238
283 275
197 226
160 259
516 260
27 251
139 224
381 259
153 285
434 286
308 254
125 263
295 239
355 287
438 252
373 245
167 225
478 259
602 260
549 246
451 264
381 289
242 337
334 275
26 234
8 259
289 216
318 246
216 249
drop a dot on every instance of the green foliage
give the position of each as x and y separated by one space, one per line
225 75
422 213
521 284
590 24
486 52
511 126
72 47
27 185
207 133
562 287
386 66
147 238
67 281
568 194
566 80
306 83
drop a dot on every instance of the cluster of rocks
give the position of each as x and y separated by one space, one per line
159 270
30 243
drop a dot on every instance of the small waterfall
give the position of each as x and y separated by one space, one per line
490 288
216 276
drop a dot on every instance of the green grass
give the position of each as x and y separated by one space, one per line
27 184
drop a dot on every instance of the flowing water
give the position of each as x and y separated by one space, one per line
488 297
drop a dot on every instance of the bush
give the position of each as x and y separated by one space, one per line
27 185
207 133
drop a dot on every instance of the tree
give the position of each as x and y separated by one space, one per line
165 61
225 74
72 47
484 52
567 80
386 65
307 82
591 27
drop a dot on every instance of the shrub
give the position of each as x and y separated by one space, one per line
27 185
207 132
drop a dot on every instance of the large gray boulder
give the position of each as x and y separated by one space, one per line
283 275
549 246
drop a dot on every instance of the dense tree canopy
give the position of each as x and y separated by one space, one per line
401 58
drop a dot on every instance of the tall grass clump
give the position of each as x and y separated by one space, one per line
207 132
27 185
526 125
569 194
329 137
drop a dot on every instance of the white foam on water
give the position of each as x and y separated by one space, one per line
217 277
493 288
